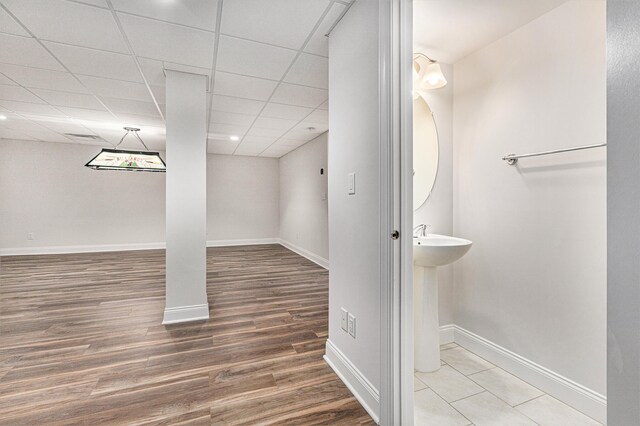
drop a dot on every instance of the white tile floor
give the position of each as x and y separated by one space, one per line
468 390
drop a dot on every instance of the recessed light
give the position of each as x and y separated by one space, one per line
234 138
311 129
3 117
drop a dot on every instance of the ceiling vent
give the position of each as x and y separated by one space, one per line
83 137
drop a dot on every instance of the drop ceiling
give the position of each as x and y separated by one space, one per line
449 30
94 66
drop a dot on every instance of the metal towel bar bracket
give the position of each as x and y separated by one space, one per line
512 159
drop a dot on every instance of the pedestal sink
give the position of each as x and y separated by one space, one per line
428 253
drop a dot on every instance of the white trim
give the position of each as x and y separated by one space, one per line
360 387
580 397
321 261
25 251
242 242
447 334
185 314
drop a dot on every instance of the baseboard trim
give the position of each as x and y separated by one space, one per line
30 251
583 399
182 314
243 242
360 387
447 334
320 261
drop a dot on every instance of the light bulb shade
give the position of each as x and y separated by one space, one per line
133 161
432 77
429 74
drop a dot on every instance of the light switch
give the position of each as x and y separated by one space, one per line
344 322
351 183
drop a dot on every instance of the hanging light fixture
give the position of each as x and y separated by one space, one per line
427 73
122 159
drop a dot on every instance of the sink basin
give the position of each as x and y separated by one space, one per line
438 250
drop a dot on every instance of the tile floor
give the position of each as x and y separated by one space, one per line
468 390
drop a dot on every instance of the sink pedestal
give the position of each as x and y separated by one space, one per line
426 322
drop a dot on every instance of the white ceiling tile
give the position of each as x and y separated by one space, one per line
312 127
231 118
285 23
301 133
17 93
68 22
9 25
309 70
223 131
288 112
61 126
243 87
6 81
259 140
134 120
237 105
319 44
264 132
289 143
29 108
318 116
154 70
99 63
325 105
274 123
249 149
224 148
275 151
128 106
42 79
253 59
291 94
193 13
88 114
116 88
68 99
6 133
168 42
47 135
100 3
27 52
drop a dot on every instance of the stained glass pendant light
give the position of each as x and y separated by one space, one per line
132 161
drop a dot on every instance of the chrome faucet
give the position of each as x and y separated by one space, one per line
420 230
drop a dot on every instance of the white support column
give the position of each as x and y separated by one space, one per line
186 285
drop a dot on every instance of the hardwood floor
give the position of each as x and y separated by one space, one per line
81 343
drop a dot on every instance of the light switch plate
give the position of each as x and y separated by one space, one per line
344 319
351 183
352 326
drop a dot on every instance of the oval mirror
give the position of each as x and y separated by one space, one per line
425 152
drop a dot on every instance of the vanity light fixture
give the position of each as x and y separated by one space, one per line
122 159
427 73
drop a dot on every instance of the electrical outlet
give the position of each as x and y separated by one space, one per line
344 322
30 236
352 326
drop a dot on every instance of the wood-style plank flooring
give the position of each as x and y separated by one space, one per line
81 342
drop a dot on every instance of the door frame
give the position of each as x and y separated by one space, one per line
396 211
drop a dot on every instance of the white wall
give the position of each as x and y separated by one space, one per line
534 281
242 197
623 298
437 211
303 199
45 189
354 220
